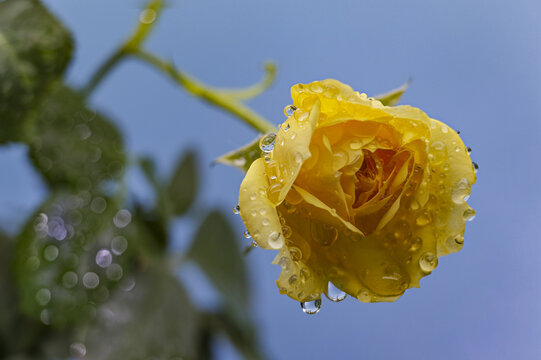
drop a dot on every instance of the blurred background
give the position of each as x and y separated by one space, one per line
474 65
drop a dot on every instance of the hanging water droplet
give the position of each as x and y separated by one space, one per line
334 293
246 234
311 307
289 110
254 244
104 258
469 150
236 210
267 159
428 262
469 214
266 144
475 167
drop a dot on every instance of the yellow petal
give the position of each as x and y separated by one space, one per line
256 210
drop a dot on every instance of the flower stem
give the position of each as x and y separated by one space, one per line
220 99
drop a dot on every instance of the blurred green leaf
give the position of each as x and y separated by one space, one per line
392 97
35 49
182 189
72 253
243 157
154 320
216 251
18 334
74 146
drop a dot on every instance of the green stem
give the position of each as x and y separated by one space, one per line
198 89
103 70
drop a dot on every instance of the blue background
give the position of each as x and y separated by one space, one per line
475 65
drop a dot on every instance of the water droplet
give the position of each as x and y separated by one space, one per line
91 280
311 307
428 262
334 293
469 214
267 159
438 152
286 231
50 253
292 279
444 129
265 222
70 279
423 219
469 150
460 191
104 258
457 148
77 350
147 16
43 296
236 210
119 244
275 240
266 144
455 243
364 296
114 272
246 234
289 110
295 253
293 135
122 218
286 127
324 234
128 284
254 244
475 167
56 228
98 205
416 244
253 196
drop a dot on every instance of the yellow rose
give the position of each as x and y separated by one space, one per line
356 194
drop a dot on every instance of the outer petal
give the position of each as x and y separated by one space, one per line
257 211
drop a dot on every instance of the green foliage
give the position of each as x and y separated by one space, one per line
74 146
392 97
183 186
242 157
34 52
216 251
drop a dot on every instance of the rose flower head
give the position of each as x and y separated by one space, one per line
359 198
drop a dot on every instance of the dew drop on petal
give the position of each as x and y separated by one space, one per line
236 210
423 219
460 191
469 214
266 144
311 307
428 262
246 234
275 240
334 293
416 244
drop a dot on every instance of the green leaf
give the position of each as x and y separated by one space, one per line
72 253
218 254
392 97
75 146
182 188
154 320
243 157
35 49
